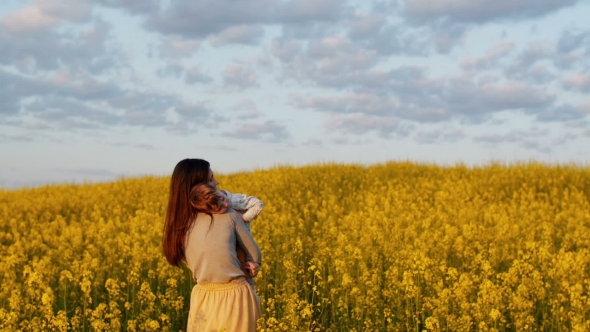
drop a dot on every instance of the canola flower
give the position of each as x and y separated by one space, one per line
388 247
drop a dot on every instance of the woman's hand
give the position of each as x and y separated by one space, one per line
251 269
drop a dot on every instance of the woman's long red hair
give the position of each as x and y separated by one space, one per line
180 214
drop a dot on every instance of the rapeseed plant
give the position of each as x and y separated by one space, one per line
388 247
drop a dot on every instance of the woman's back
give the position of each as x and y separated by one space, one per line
211 247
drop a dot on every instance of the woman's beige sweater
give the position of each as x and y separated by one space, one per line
211 247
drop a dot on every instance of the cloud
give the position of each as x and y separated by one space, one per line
28 21
227 21
14 138
177 47
241 77
405 92
238 34
531 139
409 93
310 10
133 6
536 51
84 49
480 11
323 61
383 28
578 82
338 54
584 107
365 25
577 124
536 145
130 101
65 99
45 15
199 19
445 134
341 141
268 131
94 172
314 142
413 85
513 136
491 58
445 35
287 50
573 39
398 38
351 103
144 146
63 113
11 89
225 147
145 118
309 30
78 11
573 47
194 113
565 112
347 141
462 96
360 124
77 99
525 66
334 62
171 69
539 74
80 86
476 100
564 139
352 62
194 75
247 110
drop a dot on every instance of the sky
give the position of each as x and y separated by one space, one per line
98 90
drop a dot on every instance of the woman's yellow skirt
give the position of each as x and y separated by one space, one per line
230 307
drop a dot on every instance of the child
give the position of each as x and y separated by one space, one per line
249 208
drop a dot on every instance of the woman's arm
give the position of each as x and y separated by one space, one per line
245 239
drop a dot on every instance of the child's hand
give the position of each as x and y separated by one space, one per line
251 269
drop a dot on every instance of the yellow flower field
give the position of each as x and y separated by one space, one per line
389 247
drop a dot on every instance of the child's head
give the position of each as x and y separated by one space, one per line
206 198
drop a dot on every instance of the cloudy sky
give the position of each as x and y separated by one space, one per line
95 90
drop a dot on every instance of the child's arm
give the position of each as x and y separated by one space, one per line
252 205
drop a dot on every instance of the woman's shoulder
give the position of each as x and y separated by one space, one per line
233 214
230 214
229 219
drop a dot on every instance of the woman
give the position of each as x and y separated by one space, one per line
199 233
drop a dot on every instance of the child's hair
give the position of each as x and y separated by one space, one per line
205 198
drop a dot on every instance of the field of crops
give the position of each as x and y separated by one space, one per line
389 247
